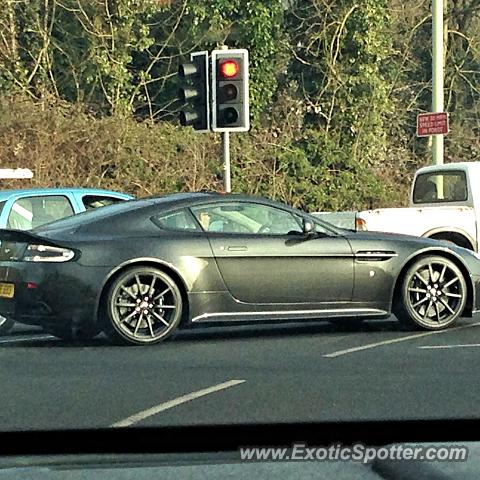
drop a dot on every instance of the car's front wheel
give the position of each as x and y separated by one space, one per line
6 324
144 305
433 294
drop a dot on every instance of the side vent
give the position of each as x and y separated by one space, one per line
374 255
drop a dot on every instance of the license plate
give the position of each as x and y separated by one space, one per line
7 290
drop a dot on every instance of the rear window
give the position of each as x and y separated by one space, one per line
177 220
96 201
440 187
97 214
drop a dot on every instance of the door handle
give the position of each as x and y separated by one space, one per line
237 248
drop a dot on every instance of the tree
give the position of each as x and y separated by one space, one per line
340 69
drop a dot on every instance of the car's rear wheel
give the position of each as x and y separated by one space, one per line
6 324
144 305
433 294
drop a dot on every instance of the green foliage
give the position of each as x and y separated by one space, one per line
347 90
252 24
346 100
64 145
335 89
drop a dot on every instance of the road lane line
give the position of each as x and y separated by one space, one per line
173 403
396 340
28 339
450 346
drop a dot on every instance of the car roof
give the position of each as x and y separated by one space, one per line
166 203
473 166
6 194
177 200
207 196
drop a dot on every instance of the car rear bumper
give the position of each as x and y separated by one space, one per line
52 295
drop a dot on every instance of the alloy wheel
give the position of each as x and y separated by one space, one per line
145 305
435 292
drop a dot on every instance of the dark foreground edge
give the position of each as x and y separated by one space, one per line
224 438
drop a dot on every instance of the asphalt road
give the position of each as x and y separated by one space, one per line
309 372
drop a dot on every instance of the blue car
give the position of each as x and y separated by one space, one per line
27 209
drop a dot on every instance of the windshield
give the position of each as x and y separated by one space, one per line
269 269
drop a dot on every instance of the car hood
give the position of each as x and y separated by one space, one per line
360 235
416 243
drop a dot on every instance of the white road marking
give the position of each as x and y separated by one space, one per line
396 340
173 403
450 346
28 339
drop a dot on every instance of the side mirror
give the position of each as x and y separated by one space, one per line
308 227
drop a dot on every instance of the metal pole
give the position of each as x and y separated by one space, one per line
227 185
226 161
437 74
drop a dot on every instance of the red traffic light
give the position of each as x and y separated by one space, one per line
230 92
229 69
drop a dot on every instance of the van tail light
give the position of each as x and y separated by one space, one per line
360 224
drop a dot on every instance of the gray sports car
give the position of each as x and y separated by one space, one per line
141 269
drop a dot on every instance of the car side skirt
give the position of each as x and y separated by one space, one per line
288 315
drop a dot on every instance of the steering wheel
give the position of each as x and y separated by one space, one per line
264 229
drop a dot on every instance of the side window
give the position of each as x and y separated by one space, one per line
96 201
178 220
31 212
244 217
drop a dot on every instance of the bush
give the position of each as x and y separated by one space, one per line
66 146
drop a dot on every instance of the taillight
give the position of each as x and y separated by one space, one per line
47 253
360 224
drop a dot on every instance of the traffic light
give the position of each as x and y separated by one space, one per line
194 92
230 100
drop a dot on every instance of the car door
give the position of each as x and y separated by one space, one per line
264 257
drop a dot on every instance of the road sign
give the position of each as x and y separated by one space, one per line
432 124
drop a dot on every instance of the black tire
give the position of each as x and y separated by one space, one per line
346 324
433 294
144 306
453 239
6 324
66 333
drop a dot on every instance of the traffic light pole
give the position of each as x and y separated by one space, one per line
437 74
227 182
226 162
218 102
